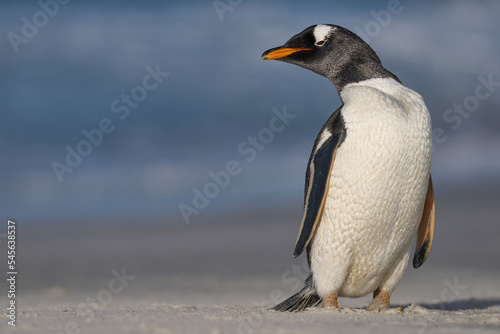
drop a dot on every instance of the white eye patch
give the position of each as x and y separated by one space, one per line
321 32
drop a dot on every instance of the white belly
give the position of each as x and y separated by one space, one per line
377 189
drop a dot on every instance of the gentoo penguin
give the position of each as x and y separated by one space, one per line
368 191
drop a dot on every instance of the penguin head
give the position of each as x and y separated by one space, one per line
333 52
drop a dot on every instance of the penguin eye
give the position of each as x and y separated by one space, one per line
319 43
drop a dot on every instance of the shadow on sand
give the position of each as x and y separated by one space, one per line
462 304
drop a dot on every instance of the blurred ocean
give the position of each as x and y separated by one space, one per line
121 108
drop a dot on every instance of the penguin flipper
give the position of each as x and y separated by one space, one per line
425 229
319 170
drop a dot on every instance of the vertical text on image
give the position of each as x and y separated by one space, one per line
11 272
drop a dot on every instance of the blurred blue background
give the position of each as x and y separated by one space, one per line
62 78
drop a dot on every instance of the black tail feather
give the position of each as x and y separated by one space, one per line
307 297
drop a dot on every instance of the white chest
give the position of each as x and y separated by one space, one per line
377 187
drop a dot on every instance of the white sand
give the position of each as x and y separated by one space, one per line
222 278
169 305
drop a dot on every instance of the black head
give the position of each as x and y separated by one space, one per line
333 52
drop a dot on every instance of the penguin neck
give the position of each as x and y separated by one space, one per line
357 71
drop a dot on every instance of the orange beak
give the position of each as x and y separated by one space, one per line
280 53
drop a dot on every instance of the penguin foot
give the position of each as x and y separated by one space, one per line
331 301
380 301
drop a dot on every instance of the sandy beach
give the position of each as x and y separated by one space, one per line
221 277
